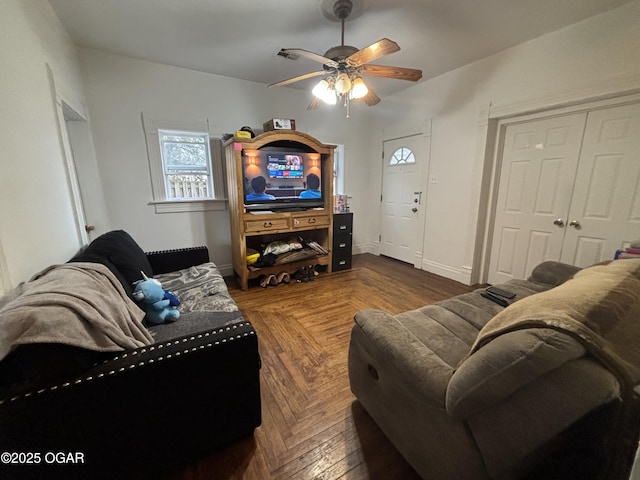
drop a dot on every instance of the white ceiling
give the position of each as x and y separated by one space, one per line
241 39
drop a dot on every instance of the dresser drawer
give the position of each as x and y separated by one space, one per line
310 221
342 223
341 262
266 225
341 245
339 236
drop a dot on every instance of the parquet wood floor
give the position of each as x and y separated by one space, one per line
313 428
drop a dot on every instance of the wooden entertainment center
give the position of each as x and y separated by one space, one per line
256 229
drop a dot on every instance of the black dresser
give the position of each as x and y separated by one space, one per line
342 240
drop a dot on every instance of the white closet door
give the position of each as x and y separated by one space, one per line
538 168
605 208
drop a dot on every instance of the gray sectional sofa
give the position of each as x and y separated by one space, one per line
87 391
468 389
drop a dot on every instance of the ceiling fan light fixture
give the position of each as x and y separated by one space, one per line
344 65
358 89
324 92
343 83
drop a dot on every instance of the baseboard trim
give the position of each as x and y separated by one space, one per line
365 248
462 275
225 270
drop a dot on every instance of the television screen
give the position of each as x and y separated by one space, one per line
276 180
284 166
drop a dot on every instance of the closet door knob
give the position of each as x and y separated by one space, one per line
559 222
575 224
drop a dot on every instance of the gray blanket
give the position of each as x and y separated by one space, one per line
77 304
600 307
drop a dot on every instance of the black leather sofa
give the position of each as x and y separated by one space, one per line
67 412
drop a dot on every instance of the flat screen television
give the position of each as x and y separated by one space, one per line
282 180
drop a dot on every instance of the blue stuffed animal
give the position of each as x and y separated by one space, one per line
159 304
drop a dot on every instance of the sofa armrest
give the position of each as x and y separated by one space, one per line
174 400
543 409
422 369
166 261
507 363
553 273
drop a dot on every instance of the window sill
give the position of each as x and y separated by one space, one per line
177 206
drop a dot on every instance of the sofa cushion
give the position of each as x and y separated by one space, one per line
450 327
119 252
506 364
194 323
199 288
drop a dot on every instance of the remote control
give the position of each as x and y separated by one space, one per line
495 299
501 293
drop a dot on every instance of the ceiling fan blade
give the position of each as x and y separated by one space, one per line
298 78
371 98
315 103
399 73
373 52
311 56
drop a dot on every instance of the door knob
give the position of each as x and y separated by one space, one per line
414 209
575 224
559 222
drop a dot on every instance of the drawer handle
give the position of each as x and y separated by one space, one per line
343 262
312 220
267 224
342 245
343 227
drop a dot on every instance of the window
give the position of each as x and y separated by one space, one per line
185 165
401 156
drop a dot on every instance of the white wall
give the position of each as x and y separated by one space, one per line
35 203
119 89
589 59
37 226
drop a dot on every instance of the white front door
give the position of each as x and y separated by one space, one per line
605 208
538 168
403 199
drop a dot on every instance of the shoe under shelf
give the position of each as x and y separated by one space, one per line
290 267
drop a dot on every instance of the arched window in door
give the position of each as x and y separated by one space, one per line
403 155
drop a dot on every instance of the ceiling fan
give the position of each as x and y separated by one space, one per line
344 66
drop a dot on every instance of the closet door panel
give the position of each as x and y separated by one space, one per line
605 207
537 170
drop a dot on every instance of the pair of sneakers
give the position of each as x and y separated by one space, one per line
274 280
305 274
